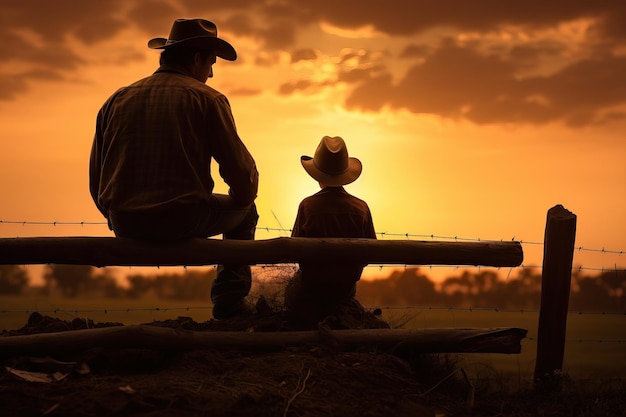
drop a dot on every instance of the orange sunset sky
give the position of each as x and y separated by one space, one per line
471 118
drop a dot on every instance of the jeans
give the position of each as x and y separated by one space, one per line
221 216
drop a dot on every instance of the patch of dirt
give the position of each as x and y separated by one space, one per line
313 380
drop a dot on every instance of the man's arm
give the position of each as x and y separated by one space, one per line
95 164
236 165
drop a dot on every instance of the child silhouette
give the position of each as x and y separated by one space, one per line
319 288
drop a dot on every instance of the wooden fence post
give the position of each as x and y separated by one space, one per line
558 255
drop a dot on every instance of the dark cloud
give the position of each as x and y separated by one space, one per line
406 17
356 66
16 85
352 76
612 26
16 49
265 60
303 55
611 116
458 82
279 35
153 17
415 51
352 67
241 24
54 21
245 92
292 87
482 82
35 33
207 9
275 23
529 54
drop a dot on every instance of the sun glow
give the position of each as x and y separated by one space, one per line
422 174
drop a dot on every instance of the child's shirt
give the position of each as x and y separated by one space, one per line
333 212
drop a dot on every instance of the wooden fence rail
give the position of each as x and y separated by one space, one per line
109 251
495 340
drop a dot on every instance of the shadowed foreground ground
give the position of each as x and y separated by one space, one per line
314 380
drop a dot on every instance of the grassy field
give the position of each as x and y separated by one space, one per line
595 344
594 349
14 311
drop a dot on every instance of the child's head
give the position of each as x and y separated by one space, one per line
331 166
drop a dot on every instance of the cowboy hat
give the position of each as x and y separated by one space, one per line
331 165
195 33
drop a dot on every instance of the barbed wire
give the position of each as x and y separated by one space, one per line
578 268
383 235
51 223
284 230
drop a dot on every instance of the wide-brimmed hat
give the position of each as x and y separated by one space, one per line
331 164
195 33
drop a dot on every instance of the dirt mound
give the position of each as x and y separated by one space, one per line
309 380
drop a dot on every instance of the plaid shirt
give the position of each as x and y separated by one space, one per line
154 143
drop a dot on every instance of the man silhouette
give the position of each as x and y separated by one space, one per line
150 160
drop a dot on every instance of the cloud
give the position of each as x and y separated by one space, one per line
540 78
459 82
153 17
292 87
409 17
486 80
307 54
415 51
245 92
55 21
36 38
531 53
352 66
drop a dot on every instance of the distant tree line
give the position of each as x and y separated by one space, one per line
487 289
484 288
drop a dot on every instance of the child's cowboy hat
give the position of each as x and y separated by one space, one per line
331 165
195 33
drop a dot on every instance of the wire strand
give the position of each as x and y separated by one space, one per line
407 235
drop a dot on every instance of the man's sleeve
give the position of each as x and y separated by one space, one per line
236 165
370 233
95 159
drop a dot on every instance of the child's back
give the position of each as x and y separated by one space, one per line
332 212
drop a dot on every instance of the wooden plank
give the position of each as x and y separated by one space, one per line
108 251
495 340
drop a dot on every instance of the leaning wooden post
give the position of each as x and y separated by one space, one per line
558 255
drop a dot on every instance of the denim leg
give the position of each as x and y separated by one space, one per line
229 290
246 228
233 281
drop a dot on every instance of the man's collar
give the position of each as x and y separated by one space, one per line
331 189
175 69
